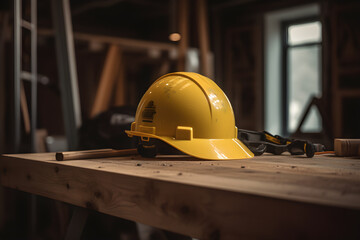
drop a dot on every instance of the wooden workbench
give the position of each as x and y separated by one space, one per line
264 197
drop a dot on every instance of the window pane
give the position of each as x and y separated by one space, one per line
313 121
304 82
304 33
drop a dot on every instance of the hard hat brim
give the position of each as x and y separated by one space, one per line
210 149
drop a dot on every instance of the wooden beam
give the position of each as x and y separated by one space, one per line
125 43
183 20
4 33
107 81
40 137
67 71
203 35
164 67
4 20
24 108
120 93
218 46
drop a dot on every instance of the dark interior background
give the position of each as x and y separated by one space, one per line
236 36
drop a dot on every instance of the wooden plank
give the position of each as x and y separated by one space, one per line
24 108
354 93
120 93
125 43
107 81
183 20
4 26
204 199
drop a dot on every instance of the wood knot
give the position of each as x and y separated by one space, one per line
185 209
28 177
56 169
186 212
97 194
68 186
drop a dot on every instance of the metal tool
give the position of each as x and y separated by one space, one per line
261 142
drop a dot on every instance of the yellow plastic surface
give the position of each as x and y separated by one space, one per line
184 133
178 102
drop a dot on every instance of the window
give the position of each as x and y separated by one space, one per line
301 74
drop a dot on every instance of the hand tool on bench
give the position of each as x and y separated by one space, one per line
347 147
261 142
98 153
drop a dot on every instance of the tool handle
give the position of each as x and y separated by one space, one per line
347 147
99 153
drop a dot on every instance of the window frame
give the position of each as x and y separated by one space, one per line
285 67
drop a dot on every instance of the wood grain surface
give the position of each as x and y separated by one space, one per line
264 197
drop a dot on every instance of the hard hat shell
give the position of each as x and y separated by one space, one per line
191 113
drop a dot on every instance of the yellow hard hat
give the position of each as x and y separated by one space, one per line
192 114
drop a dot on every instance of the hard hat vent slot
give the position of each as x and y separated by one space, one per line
146 139
148 112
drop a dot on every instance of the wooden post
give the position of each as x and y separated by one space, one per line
67 71
40 136
24 108
106 84
3 28
120 93
183 29
164 68
202 19
4 33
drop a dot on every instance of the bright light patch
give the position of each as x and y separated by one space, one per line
175 37
304 33
214 100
